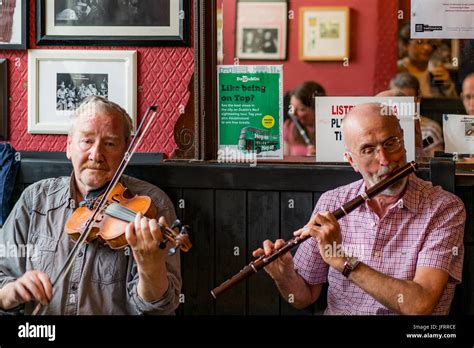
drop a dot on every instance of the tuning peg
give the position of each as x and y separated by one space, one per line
184 230
176 223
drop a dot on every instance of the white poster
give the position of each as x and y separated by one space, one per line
458 133
442 19
331 110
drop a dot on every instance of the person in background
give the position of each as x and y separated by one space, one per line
418 138
427 66
431 131
467 94
302 106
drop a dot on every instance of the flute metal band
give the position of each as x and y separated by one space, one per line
353 204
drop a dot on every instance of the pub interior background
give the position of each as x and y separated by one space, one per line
233 206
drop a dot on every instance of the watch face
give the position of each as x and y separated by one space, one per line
352 262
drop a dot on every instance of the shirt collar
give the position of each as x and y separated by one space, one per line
411 198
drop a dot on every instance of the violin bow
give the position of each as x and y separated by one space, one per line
132 148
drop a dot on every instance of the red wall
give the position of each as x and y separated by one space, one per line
405 6
373 48
163 75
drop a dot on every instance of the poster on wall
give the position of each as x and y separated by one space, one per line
13 24
331 110
261 29
250 108
442 19
113 22
458 131
324 33
60 80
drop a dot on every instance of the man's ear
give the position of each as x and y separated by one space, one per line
351 161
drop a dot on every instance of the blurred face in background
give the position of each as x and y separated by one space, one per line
304 113
419 51
468 94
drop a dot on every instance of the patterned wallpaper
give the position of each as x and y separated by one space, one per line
163 75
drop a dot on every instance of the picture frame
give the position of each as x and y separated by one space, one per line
261 30
13 25
324 33
3 99
127 23
59 80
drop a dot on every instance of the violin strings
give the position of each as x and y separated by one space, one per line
120 212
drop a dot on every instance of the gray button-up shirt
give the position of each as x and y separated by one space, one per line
101 280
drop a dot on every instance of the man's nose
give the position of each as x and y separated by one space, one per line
96 153
382 156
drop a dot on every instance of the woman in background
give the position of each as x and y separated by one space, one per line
302 107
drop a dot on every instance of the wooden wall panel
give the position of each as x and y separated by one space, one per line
296 209
198 267
231 248
263 211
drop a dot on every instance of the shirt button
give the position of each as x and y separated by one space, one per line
374 224
74 287
80 254
376 254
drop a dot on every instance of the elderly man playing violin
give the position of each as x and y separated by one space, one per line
400 252
143 279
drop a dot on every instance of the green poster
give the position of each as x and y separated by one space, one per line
250 111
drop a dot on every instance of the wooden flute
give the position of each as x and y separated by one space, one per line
263 260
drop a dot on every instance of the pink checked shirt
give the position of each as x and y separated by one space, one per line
425 228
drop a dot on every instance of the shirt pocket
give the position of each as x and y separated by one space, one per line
400 263
110 266
43 256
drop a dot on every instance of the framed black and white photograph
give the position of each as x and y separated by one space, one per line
59 80
72 89
3 99
13 24
113 22
261 30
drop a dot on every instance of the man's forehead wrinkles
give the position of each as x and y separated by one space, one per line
93 132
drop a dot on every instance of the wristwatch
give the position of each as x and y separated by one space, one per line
350 265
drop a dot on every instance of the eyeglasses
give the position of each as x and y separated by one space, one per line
467 97
390 145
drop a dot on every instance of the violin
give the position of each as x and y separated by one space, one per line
120 209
